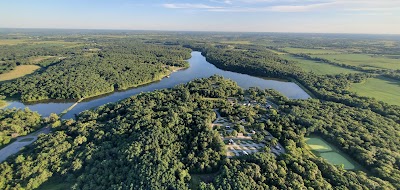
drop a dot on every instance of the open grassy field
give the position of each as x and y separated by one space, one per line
19 71
236 42
383 89
323 149
38 59
312 51
317 144
337 159
277 52
318 67
34 41
364 60
12 41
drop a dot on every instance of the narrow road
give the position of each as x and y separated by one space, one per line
21 142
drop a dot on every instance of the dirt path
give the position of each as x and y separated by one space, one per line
20 143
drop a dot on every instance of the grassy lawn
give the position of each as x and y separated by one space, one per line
364 60
19 71
38 59
318 67
236 42
337 159
383 89
12 41
317 144
311 51
333 155
277 52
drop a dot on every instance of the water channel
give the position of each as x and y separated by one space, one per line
199 68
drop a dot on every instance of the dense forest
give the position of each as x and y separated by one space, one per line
158 140
114 65
259 61
163 139
378 156
21 122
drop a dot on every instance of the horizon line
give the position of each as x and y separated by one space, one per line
207 31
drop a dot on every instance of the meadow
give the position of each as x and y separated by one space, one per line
364 60
312 51
318 67
323 149
18 71
383 89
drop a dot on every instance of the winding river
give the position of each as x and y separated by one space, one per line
199 68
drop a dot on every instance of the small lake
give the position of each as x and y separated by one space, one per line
199 68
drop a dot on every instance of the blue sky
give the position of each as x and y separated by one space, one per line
333 16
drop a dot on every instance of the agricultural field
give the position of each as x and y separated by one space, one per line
12 41
318 67
245 42
276 52
323 149
34 60
312 51
19 71
364 60
383 89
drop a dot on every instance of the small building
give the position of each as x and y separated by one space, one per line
231 100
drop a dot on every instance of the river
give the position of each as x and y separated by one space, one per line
199 68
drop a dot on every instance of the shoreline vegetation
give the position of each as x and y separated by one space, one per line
171 70
93 69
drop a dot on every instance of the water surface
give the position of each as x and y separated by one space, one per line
199 68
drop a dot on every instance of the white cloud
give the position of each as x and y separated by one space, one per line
291 5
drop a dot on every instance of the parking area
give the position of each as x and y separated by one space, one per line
242 147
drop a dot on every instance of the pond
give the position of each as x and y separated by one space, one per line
199 68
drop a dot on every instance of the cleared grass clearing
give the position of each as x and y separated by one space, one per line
236 42
364 60
13 41
38 59
323 149
316 67
317 144
337 159
276 52
19 71
311 51
383 89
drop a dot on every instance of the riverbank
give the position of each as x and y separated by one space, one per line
169 71
303 87
3 104
199 68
